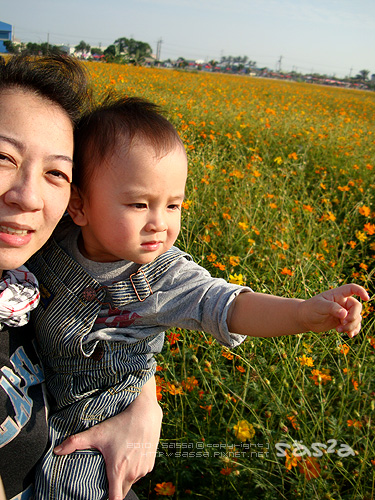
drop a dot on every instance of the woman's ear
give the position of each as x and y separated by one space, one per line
76 207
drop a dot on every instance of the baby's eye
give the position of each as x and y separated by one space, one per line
139 205
174 207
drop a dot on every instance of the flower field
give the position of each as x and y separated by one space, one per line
280 197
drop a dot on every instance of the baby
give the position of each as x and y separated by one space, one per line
113 282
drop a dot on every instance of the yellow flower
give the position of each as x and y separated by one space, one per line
360 236
306 361
244 430
243 226
307 347
186 204
237 279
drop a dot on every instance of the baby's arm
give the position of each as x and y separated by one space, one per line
127 441
262 315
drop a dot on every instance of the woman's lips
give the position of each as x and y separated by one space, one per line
15 236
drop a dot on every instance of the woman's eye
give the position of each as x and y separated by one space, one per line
5 158
59 175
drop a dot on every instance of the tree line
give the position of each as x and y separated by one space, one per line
129 51
123 50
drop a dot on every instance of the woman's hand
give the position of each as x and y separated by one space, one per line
128 441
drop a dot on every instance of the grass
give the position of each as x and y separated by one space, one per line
280 197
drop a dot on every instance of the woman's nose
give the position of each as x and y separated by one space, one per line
26 193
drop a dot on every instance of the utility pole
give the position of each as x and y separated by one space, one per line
47 43
279 64
158 49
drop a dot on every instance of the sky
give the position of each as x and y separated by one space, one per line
333 37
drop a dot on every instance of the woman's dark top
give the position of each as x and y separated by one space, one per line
23 423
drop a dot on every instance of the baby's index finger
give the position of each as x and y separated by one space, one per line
354 289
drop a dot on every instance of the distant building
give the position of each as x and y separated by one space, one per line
5 34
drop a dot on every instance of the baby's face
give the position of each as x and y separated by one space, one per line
133 207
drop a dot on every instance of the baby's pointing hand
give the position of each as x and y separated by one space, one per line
335 309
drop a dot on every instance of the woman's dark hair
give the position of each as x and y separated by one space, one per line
60 79
119 120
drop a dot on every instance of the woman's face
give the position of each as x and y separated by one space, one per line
36 151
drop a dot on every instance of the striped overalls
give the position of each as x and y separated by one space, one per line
91 381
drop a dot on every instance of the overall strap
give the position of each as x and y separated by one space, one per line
139 285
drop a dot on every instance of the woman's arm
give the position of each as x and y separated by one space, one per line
127 441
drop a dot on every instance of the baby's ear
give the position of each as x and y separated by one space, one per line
76 207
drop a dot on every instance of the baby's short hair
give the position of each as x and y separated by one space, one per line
119 121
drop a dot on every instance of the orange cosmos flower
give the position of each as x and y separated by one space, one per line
190 383
354 423
172 389
365 211
369 228
227 355
308 208
290 460
286 272
345 349
293 420
355 384
234 261
240 368
208 408
310 468
220 266
173 337
159 393
165 489
321 377
226 471
212 257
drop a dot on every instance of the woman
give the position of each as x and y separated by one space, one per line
40 101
